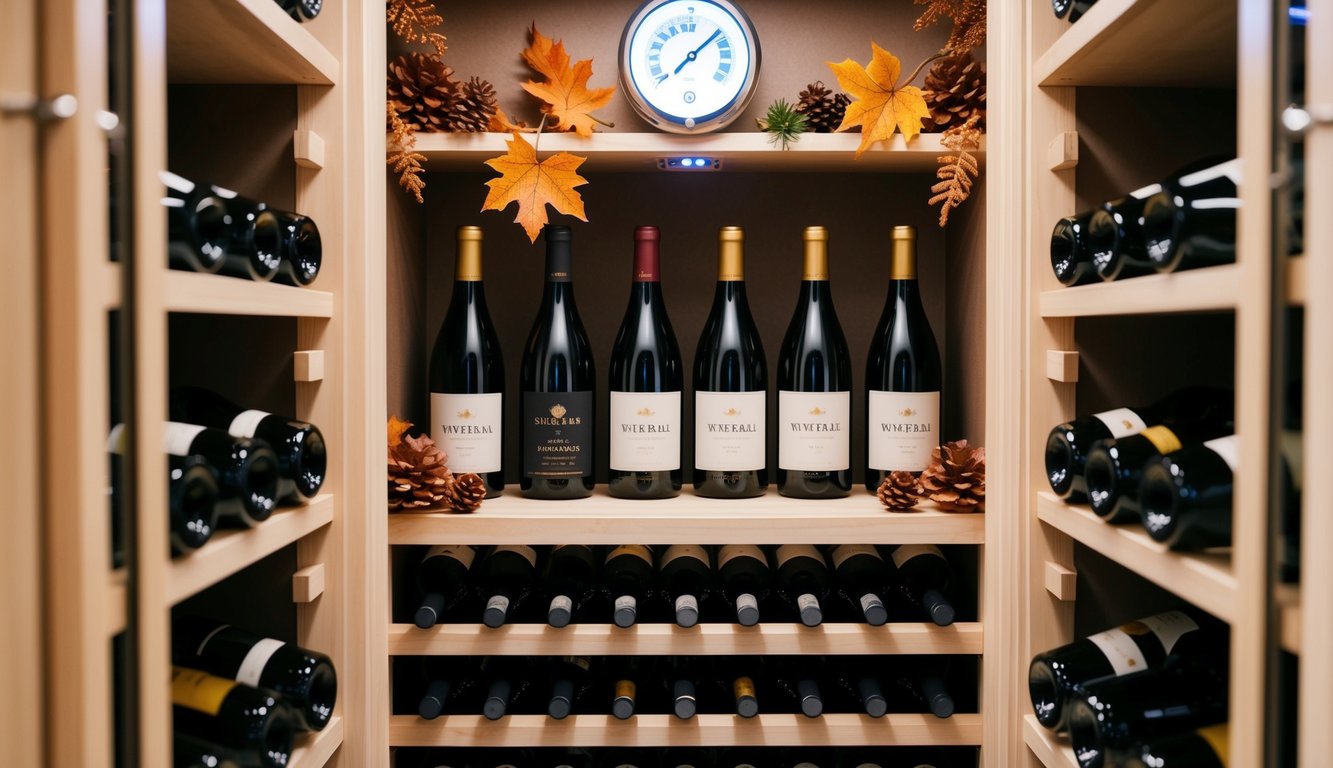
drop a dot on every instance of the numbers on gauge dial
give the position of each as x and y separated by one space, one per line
692 64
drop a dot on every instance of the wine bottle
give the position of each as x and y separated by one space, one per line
730 386
189 751
681 679
646 382
1185 496
796 682
508 679
571 573
558 380
924 689
859 684
198 224
570 681
302 250
923 577
1191 222
626 676
1207 747
743 575
302 456
192 498
467 378
862 573
505 578
302 10
1061 7
1115 236
442 578
740 682
814 388
627 573
1079 7
903 379
247 469
803 580
237 715
450 686
685 574
1054 675
254 250
1069 249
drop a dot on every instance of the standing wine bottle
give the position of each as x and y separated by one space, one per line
803 580
1191 222
1185 496
247 469
302 456
646 382
237 715
1115 236
743 575
467 377
1208 747
1069 249
685 574
814 388
570 681
505 578
305 678
903 378
302 250
189 751
862 573
508 680
627 574
198 225
558 381
923 577
570 576
254 250
442 578
730 386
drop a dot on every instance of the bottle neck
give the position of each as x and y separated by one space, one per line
731 263
559 272
902 262
647 264
815 267
468 267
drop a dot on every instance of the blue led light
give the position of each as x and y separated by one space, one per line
687 162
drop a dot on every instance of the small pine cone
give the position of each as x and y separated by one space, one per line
899 491
823 109
955 91
466 493
956 478
423 91
473 109
418 474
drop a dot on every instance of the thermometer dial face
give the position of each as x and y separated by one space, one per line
689 66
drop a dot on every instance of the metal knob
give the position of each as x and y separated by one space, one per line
60 107
1298 120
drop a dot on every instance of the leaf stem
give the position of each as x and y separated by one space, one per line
938 55
538 140
601 122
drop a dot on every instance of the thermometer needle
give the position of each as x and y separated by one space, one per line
694 54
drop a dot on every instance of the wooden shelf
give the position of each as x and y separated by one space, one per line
700 731
1288 599
242 42
195 293
1051 750
738 151
1194 290
671 640
687 519
314 749
1145 43
1295 278
1203 579
233 549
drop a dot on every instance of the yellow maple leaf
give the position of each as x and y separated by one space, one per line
397 428
565 89
880 106
534 184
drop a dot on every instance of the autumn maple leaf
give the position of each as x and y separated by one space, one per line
565 89
880 106
534 184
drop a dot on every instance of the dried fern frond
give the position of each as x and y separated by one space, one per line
406 161
968 17
957 171
415 21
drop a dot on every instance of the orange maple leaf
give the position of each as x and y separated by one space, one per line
565 90
397 428
880 106
534 184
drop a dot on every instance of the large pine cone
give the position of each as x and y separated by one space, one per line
956 478
899 491
423 91
955 91
823 109
466 493
418 474
474 107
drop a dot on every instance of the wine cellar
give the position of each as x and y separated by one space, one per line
148 620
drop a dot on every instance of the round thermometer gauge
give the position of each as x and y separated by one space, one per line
689 66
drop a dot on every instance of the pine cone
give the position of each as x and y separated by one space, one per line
466 493
474 107
823 109
955 91
899 491
956 478
418 473
423 91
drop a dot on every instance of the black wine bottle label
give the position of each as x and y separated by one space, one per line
645 431
814 431
729 431
179 437
199 691
904 428
246 423
467 429
557 440
1125 655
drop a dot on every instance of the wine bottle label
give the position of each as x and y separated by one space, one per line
1120 650
870 601
806 603
1219 738
498 603
1143 193
1230 169
1169 627
904 427
1122 422
527 553
460 552
557 435
814 431
787 552
199 691
729 431
1228 448
468 429
743 687
626 689
905 552
732 551
252 666
246 423
1162 438
843 552
687 603
115 442
180 437
684 550
645 431
640 551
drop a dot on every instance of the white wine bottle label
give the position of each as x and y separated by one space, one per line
498 603
732 551
870 601
1229 169
252 666
115 442
1169 627
1120 650
814 431
729 431
687 603
844 551
905 552
787 552
1162 438
645 431
640 551
467 428
557 434
1122 422
807 602
685 550
246 423
460 552
528 553
1228 448
903 427
180 437
1143 193
199 691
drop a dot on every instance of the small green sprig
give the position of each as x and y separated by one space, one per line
782 123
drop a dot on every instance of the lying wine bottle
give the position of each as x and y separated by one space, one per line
570 682
1115 237
923 576
450 686
862 573
803 580
1191 222
1208 747
239 716
247 469
571 572
627 574
796 682
442 578
192 498
1185 496
925 690
302 250
681 678
198 224
740 681
189 751
861 687
302 10
508 682
625 676
742 572
685 575
1069 250
254 250
505 578
1079 7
